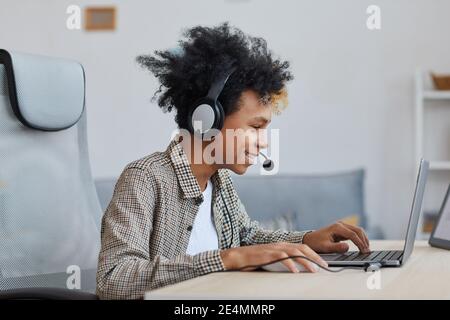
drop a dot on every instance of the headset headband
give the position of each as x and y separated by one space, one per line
217 87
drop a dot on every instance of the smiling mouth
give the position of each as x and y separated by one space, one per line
251 157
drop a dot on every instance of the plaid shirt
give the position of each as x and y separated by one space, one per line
146 227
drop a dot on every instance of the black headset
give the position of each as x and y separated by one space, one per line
207 113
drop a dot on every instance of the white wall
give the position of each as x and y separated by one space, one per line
351 103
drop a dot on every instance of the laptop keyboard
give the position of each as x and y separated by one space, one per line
371 256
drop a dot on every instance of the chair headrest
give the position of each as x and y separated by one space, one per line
45 93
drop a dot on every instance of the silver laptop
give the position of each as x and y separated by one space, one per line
392 258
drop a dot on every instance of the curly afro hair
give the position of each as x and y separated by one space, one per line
204 55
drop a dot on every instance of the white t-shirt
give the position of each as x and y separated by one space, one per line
203 233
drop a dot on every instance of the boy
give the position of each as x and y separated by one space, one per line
175 215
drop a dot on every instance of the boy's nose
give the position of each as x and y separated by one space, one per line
262 140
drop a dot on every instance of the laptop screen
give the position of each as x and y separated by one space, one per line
442 229
416 209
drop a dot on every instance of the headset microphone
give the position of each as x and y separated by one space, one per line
268 164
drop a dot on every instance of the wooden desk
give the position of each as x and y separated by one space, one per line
426 275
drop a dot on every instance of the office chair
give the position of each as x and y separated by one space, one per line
49 211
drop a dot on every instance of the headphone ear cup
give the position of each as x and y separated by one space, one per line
203 116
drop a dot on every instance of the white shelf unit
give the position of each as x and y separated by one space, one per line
425 93
440 165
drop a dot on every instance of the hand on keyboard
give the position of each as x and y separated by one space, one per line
327 240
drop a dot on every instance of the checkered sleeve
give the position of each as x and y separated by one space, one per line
251 232
125 270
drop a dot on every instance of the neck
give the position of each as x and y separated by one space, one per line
202 171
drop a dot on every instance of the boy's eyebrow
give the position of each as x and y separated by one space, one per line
262 119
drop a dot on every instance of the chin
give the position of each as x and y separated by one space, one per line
239 169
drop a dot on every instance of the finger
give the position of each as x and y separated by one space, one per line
339 247
294 249
360 233
310 253
351 235
308 265
302 251
287 262
367 239
364 235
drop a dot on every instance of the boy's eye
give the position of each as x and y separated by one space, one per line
256 127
